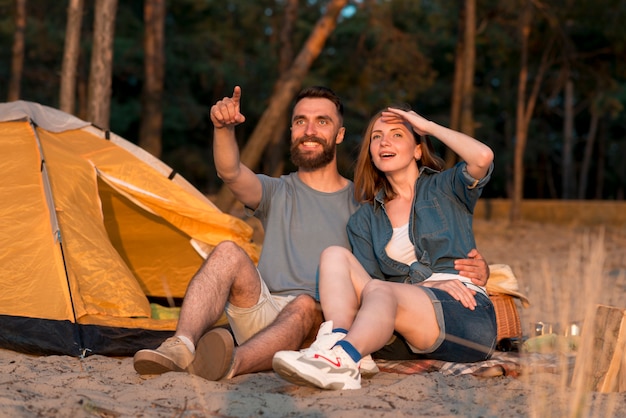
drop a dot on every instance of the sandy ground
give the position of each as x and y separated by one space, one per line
564 270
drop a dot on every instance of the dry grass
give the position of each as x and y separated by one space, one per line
566 272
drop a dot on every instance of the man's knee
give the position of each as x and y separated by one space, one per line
227 247
307 313
305 303
303 309
229 265
231 252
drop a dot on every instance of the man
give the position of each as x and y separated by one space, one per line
271 308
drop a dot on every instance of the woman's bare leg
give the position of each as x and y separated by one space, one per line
387 306
341 281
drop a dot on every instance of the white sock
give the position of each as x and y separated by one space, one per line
188 343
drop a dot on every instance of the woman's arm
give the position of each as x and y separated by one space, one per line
476 155
359 235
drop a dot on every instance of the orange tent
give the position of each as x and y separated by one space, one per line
92 230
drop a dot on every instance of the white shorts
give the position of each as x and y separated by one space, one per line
245 322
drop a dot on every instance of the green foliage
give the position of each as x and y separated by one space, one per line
382 52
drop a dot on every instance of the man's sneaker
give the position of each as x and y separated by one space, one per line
324 369
215 353
171 356
368 366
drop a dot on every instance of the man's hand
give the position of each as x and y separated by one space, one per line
227 112
474 267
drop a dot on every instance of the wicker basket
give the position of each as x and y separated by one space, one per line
507 316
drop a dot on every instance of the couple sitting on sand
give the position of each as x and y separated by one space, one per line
409 225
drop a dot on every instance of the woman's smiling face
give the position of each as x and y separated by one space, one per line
393 146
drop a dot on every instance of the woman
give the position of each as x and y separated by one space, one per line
415 222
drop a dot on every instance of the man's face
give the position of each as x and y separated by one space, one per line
315 132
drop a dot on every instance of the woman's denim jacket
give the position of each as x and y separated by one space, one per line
440 226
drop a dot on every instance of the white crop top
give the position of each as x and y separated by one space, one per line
401 249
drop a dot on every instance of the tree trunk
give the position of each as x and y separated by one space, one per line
567 169
525 109
599 189
621 179
520 126
81 92
17 58
154 67
71 52
469 63
99 90
286 88
591 138
273 160
461 115
457 88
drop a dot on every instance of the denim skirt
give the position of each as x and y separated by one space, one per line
466 336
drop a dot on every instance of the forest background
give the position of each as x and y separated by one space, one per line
541 82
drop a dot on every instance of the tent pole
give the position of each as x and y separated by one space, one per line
56 232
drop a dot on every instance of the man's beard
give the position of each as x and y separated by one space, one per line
309 161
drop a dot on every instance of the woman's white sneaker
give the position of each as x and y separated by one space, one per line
368 366
324 369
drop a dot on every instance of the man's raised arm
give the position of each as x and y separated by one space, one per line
243 182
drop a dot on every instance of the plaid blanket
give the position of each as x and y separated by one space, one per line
500 364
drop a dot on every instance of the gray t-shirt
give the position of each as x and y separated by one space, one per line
299 224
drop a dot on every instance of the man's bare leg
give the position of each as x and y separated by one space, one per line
294 326
227 274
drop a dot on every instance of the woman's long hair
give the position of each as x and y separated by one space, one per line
368 179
